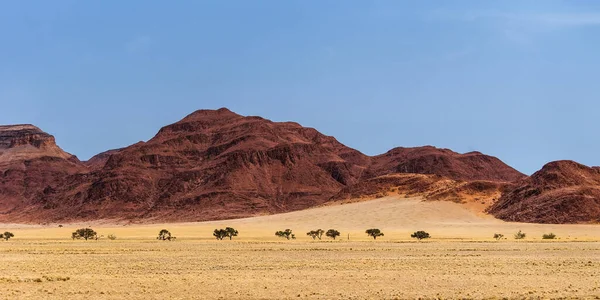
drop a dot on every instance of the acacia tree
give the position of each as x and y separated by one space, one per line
285 234
84 233
332 233
6 235
165 235
420 235
374 232
316 233
219 234
230 232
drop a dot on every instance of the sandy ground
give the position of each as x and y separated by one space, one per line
460 261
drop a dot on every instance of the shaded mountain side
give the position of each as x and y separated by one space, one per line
561 192
430 187
215 164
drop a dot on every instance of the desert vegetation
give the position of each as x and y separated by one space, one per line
332 233
287 234
520 235
316 234
548 236
165 235
420 235
229 232
374 233
498 236
6 235
84 233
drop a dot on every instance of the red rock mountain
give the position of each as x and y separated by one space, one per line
443 162
31 165
561 192
215 164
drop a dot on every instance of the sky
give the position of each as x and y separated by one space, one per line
513 79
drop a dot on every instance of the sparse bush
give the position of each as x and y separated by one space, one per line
374 232
286 234
165 235
549 236
6 235
420 235
112 237
316 233
520 235
84 233
498 236
332 233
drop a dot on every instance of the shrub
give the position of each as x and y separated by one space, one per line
165 235
498 236
332 233
374 232
6 235
420 235
520 235
286 234
112 237
223 233
316 233
549 236
84 233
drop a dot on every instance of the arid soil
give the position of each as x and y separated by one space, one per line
461 260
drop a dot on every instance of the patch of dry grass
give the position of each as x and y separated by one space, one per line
460 261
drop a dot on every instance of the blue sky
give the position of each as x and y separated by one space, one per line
514 79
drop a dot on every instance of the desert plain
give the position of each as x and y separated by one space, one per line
460 260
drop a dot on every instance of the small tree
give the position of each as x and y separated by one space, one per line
84 233
286 234
520 235
219 234
6 235
230 232
549 236
112 237
374 233
332 233
316 233
498 236
165 235
419 235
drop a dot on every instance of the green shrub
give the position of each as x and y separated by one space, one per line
420 235
84 233
549 236
165 235
332 233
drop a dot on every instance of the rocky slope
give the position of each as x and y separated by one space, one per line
561 192
215 164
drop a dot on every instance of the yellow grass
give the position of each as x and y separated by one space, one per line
460 261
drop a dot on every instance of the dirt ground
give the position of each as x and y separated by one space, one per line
461 260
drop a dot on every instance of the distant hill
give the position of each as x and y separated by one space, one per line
561 192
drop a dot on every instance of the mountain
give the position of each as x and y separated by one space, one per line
561 192
31 166
443 162
216 164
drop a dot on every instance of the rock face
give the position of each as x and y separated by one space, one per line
215 164
443 162
31 164
561 192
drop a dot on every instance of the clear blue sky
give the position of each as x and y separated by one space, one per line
514 79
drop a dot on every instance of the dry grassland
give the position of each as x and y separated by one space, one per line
460 261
